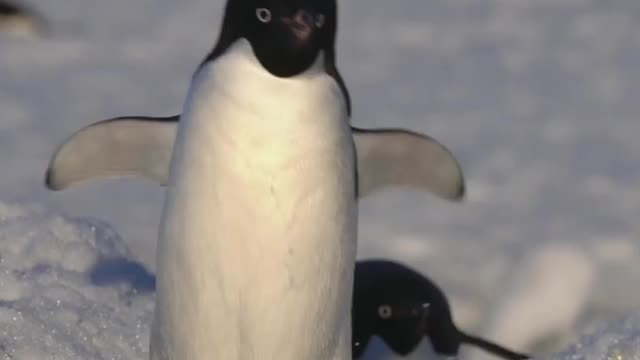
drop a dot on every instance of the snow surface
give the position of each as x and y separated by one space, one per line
68 289
537 98
618 340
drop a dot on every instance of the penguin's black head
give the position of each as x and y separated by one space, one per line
8 9
400 322
401 307
286 35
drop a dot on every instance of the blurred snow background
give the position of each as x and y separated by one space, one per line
537 99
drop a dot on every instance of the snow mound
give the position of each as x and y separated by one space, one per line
544 296
68 289
615 341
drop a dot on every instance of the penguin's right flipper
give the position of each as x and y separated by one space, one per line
398 157
126 146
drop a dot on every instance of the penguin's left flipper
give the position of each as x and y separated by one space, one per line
142 146
126 146
397 157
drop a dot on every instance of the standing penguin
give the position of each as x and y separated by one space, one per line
401 306
258 237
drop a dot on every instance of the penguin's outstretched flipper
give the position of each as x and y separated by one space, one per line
398 157
125 146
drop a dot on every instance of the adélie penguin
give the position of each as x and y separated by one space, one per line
18 19
257 243
401 306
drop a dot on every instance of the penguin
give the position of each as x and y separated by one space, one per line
141 146
257 241
401 306
20 20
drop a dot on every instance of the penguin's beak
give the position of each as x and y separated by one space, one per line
424 317
302 24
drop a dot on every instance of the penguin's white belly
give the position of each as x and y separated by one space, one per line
258 240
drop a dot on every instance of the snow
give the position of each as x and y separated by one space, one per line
63 291
617 340
537 98
548 292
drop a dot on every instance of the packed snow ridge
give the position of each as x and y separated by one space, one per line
68 290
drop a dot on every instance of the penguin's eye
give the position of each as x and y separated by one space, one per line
263 14
319 20
384 311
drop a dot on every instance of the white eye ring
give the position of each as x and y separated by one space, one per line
263 14
319 20
384 311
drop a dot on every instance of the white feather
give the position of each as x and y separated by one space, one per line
258 240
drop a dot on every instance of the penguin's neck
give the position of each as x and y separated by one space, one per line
257 245
270 104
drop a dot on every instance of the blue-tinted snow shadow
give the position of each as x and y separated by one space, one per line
123 271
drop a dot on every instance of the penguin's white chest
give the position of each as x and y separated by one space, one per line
258 240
